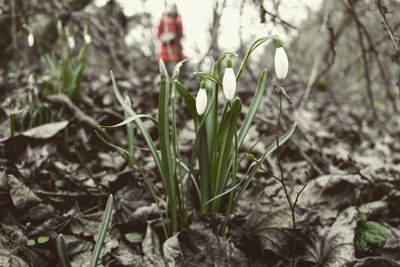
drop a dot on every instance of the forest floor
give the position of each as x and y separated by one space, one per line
56 177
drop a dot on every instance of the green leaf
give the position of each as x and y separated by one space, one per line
129 120
165 146
134 237
188 99
177 69
209 76
42 239
254 106
103 231
59 183
225 149
62 252
256 44
367 234
30 242
142 128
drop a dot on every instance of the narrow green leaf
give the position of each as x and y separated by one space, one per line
223 193
142 129
131 119
209 76
226 148
254 106
120 149
177 69
256 44
62 252
165 146
103 232
188 99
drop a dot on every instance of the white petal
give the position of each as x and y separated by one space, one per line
71 42
229 83
281 63
31 40
201 101
87 38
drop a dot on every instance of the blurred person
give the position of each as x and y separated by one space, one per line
170 33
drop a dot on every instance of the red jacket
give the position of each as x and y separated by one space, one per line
170 51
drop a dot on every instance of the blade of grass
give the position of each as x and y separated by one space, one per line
149 184
165 147
177 168
142 129
62 252
226 150
254 106
103 231
131 119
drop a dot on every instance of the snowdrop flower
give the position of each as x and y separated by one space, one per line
281 60
201 99
71 42
229 81
87 38
31 39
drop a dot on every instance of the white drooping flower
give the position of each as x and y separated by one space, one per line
229 81
201 99
87 38
281 63
71 42
31 39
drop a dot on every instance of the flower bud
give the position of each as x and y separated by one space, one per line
31 80
229 81
71 42
31 40
250 157
281 60
201 99
87 38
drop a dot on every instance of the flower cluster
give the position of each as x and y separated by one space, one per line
229 80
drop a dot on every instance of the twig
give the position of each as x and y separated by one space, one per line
78 113
274 17
350 6
292 204
65 194
391 35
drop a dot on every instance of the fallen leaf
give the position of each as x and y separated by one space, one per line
46 130
21 195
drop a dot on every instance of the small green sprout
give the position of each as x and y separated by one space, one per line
368 234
